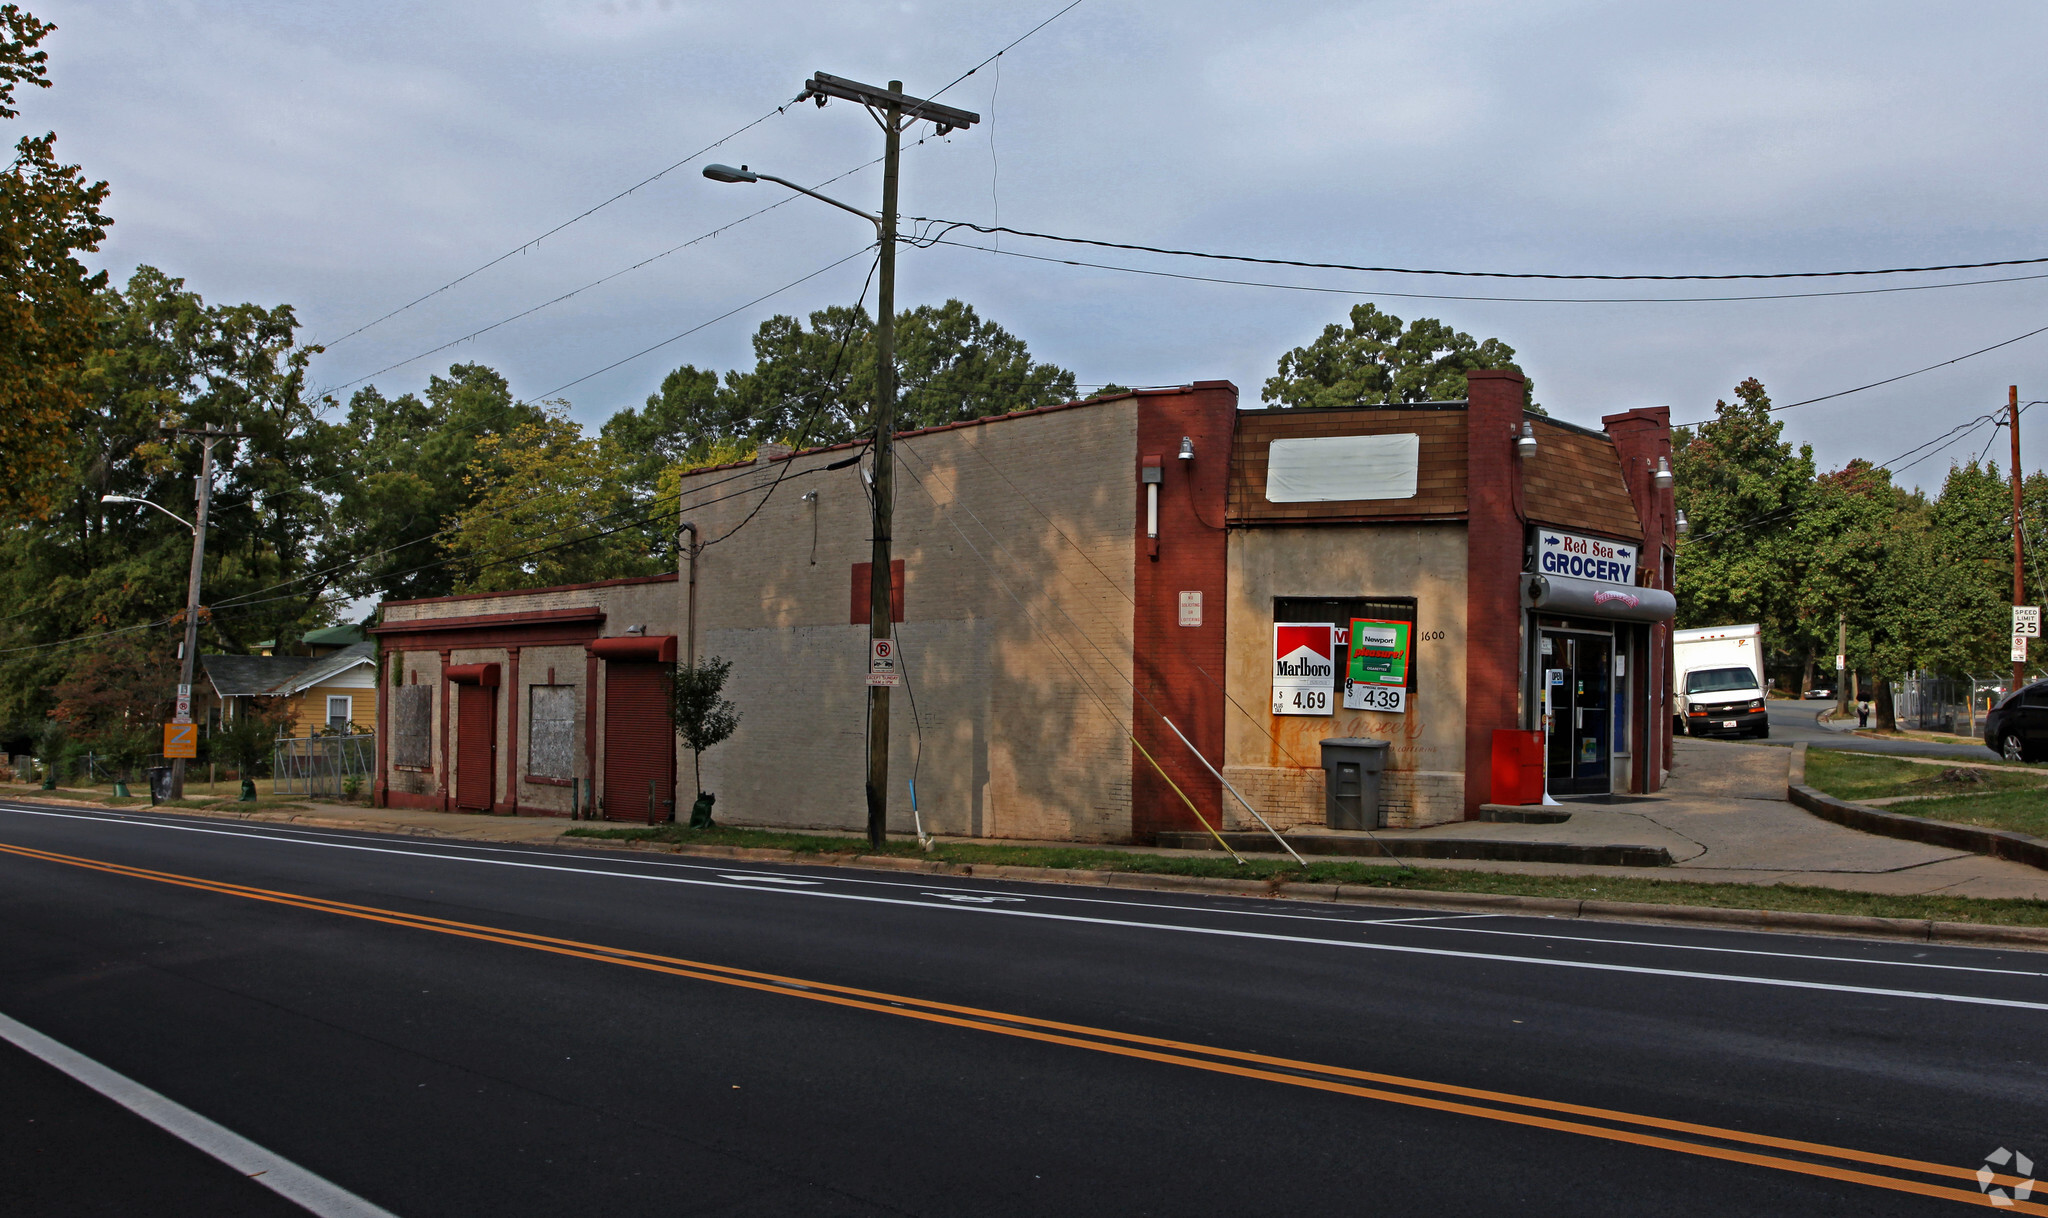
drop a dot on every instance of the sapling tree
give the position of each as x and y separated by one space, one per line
703 717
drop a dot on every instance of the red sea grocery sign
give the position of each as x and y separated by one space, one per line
1568 554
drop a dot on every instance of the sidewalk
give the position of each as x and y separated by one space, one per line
1724 819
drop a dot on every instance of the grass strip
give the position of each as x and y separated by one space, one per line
1847 775
2019 811
1780 897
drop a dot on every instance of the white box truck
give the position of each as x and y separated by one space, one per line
1720 689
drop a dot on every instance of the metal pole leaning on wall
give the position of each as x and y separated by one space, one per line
1233 790
1184 799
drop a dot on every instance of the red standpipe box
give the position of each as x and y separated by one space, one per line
1517 767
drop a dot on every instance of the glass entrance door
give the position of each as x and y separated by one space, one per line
1578 672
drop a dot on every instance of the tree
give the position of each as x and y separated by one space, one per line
48 308
547 506
166 357
817 386
415 471
1744 491
1375 362
702 718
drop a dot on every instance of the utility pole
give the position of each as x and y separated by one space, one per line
2019 552
207 439
894 111
1841 663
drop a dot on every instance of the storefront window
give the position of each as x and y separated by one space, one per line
1341 612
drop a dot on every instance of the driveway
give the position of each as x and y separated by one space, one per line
1795 722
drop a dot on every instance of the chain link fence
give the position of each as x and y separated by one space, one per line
1931 704
322 765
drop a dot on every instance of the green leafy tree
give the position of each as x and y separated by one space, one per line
167 358
49 215
1744 491
703 717
1375 361
816 385
416 468
548 506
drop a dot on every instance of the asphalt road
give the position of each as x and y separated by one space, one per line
450 1029
1794 721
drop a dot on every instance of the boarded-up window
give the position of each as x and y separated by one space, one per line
551 731
412 721
1330 469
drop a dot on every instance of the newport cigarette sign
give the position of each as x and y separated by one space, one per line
1304 667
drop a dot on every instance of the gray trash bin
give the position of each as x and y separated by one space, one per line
1351 782
159 783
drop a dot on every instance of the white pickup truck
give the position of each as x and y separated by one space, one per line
1719 690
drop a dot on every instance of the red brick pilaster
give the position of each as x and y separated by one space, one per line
1170 660
1641 438
444 787
380 785
512 701
1493 573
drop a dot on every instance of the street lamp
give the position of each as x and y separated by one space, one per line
726 173
207 439
146 503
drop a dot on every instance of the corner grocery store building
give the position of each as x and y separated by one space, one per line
1075 597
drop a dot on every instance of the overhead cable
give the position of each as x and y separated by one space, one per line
1375 293
992 229
580 216
1841 393
644 262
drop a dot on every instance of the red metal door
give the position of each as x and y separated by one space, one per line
639 744
476 746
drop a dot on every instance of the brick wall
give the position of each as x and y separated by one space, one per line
1493 595
1180 667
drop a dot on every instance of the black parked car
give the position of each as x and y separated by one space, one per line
2017 728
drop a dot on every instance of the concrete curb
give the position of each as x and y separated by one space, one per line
1996 843
1591 854
1918 929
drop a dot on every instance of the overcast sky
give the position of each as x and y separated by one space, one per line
347 158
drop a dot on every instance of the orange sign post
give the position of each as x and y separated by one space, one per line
181 740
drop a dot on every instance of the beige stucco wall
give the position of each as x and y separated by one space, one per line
1004 607
1275 759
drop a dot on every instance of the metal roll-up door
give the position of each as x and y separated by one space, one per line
476 746
639 744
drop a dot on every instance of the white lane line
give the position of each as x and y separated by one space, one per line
1218 932
266 1167
312 837
762 877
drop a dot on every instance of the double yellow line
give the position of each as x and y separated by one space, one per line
1685 1137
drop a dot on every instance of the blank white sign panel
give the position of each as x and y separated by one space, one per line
1328 469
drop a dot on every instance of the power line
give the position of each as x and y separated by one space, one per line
926 241
644 262
992 229
1891 379
701 325
583 215
1008 47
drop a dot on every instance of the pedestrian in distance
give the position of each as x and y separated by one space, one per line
1863 714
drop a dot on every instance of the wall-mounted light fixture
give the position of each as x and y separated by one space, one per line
1684 525
1662 479
1187 448
1153 475
1525 447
